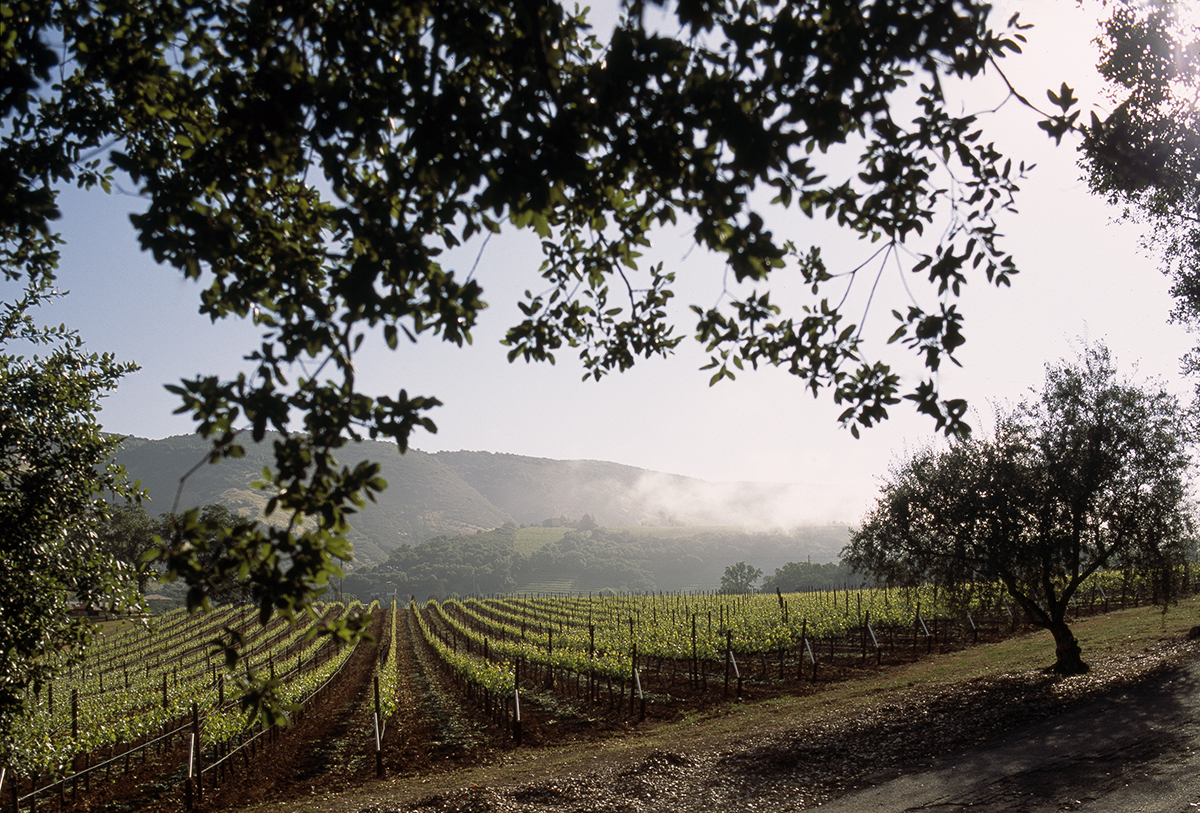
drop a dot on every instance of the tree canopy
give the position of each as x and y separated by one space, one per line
1092 473
1143 155
795 577
55 471
309 163
124 533
740 578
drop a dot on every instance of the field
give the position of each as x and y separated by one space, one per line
457 681
534 537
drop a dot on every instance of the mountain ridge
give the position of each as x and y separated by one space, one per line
455 493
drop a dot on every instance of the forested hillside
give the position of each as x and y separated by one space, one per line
531 489
423 498
456 494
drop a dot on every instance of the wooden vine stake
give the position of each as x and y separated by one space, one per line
187 784
916 632
637 680
195 758
593 692
728 652
634 690
737 673
75 735
862 635
803 645
378 733
517 703
695 657
811 656
875 642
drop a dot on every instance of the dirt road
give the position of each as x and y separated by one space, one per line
1134 752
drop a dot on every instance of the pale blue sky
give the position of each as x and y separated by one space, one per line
1082 277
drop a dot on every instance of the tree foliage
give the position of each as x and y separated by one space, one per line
740 578
1144 155
1093 473
442 566
222 562
55 471
124 533
795 577
309 163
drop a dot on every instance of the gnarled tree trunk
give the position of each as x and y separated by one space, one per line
1067 650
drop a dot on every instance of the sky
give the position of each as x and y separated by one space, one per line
1083 278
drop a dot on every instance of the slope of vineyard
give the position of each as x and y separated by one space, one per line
156 688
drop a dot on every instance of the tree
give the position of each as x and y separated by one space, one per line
740 578
310 162
124 533
796 576
127 534
1093 473
213 529
55 468
1144 155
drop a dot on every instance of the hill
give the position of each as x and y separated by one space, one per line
423 499
461 493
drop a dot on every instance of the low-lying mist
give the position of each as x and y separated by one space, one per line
677 500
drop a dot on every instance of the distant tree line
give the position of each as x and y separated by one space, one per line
585 523
588 557
793 577
444 565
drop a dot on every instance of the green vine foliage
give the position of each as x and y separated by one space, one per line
310 162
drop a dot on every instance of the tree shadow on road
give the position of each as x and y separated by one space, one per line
1086 751
991 742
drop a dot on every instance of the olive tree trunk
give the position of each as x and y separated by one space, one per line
1067 650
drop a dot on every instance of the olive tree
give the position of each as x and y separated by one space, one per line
1091 473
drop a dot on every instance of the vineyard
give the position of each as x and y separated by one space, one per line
151 719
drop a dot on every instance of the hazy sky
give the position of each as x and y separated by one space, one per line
1082 278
